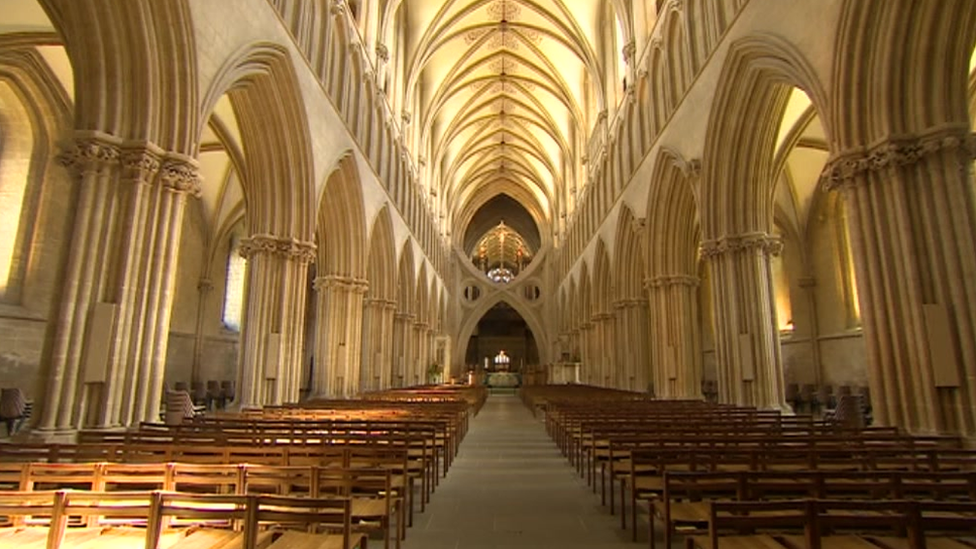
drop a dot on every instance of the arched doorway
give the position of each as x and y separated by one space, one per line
502 341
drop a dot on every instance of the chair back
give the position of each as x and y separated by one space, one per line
12 403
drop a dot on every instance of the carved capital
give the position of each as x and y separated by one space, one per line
341 283
204 285
90 153
180 175
758 241
287 248
629 303
851 167
405 117
807 282
638 224
666 281
382 52
628 51
139 164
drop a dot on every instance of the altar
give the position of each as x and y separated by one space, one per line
508 380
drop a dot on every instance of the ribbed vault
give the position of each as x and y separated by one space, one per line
501 96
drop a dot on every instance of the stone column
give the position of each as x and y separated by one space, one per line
402 323
204 287
631 337
748 355
676 339
591 371
418 369
386 358
112 330
368 343
809 286
604 348
338 338
429 350
272 332
912 215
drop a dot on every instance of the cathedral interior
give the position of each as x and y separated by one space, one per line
699 273
741 200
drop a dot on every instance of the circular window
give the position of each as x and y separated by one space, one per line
531 292
471 293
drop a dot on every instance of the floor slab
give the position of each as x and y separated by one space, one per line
511 488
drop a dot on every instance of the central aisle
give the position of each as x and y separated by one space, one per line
510 487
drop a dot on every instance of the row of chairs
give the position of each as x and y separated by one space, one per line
640 444
213 395
377 499
289 442
15 409
821 399
175 521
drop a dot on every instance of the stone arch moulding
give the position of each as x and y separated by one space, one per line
341 223
756 67
486 303
261 82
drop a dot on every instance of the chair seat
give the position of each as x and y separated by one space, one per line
368 508
740 542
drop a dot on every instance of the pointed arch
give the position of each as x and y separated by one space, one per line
603 286
930 43
672 230
381 268
341 227
531 317
628 256
751 97
278 184
138 86
405 278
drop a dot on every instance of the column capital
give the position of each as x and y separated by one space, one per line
382 52
758 241
598 317
662 281
847 168
140 163
406 317
628 51
346 283
285 247
204 285
90 151
807 282
182 175
629 303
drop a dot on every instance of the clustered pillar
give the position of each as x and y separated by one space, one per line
338 339
675 337
631 330
107 361
272 334
910 202
402 322
603 334
747 346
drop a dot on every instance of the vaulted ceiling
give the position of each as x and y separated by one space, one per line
506 92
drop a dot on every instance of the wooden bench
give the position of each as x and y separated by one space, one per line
218 521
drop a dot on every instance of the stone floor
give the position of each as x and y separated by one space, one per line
511 488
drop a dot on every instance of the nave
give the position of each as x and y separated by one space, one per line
510 487
561 466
